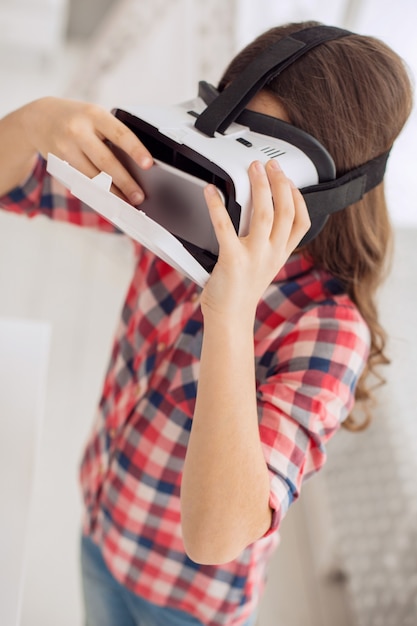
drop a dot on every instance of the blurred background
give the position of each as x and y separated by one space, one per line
349 547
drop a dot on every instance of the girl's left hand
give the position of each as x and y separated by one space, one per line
247 265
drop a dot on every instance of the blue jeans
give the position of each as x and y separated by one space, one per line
108 603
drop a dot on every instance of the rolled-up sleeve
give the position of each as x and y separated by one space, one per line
307 392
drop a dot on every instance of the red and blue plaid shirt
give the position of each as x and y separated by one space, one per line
311 345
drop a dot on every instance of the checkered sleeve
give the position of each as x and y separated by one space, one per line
41 194
307 392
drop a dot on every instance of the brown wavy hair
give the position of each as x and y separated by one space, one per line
354 95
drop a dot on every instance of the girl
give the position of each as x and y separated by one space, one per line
217 404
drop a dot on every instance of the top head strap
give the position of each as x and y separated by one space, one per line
229 103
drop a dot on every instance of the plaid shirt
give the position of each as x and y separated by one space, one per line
310 347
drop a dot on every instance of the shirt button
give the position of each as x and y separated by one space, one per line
112 433
161 346
195 296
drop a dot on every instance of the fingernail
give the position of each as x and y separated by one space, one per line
211 190
137 197
259 167
146 162
275 165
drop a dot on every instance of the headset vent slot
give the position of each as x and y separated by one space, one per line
272 152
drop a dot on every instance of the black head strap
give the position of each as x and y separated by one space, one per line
332 196
329 197
224 110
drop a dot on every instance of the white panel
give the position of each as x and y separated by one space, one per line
24 347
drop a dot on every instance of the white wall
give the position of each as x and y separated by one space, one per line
34 25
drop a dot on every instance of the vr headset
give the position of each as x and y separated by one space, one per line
213 138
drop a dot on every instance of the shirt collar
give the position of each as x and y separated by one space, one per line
296 265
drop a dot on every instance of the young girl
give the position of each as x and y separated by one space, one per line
218 403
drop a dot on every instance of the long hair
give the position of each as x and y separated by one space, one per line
354 95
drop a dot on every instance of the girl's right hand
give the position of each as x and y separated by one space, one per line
76 132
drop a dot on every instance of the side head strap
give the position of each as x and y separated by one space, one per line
224 110
332 196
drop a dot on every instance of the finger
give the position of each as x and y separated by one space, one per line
292 217
222 224
302 222
104 160
118 133
262 204
82 163
284 208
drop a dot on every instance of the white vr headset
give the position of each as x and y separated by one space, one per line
213 138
